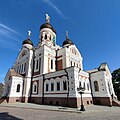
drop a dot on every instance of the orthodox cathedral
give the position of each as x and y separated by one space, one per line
50 74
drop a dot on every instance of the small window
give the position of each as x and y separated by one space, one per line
52 86
84 86
96 86
64 85
24 67
18 88
51 64
57 102
51 102
37 62
35 88
74 63
47 87
45 36
80 84
58 86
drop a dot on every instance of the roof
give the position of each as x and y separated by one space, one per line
67 42
102 67
48 25
27 41
92 71
13 73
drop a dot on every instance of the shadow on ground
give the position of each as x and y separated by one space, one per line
6 116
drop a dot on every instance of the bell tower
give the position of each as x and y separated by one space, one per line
47 33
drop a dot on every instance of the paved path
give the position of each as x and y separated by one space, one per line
43 112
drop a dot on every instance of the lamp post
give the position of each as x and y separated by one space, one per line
81 91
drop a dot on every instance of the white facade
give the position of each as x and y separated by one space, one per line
50 74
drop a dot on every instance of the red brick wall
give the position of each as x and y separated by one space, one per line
102 101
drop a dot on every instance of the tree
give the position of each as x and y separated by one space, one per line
116 82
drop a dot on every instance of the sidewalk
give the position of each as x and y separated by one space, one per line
40 107
89 108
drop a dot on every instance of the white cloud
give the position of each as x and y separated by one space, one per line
8 28
9 36
55 8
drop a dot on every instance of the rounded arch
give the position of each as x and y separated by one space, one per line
96 86
35 86
18 88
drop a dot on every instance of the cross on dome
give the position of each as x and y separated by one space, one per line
66 34
29 33
47 18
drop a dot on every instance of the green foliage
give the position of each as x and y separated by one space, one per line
116 81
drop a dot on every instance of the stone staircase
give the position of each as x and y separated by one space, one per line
115 102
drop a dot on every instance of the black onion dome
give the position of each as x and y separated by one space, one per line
27 41
48 25
67 41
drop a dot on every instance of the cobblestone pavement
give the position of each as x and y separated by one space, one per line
91 113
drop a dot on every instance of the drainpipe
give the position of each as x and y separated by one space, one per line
22 91
43 89
67 85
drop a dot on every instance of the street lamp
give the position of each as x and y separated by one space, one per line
81 91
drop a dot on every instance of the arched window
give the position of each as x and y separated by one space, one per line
58 86
37 64
79 83
51 64
52 86
84 86
64 85
18 88
50 37
71 63
35 87
47 87
96 86
45 36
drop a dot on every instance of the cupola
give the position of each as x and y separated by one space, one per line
47 24
28 41
67 42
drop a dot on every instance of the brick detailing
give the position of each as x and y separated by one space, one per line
59 65
115 102
37 100
107 101
70 102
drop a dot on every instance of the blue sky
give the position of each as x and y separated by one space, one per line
93 25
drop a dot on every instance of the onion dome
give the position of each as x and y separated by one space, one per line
67 41
47 24
28 41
